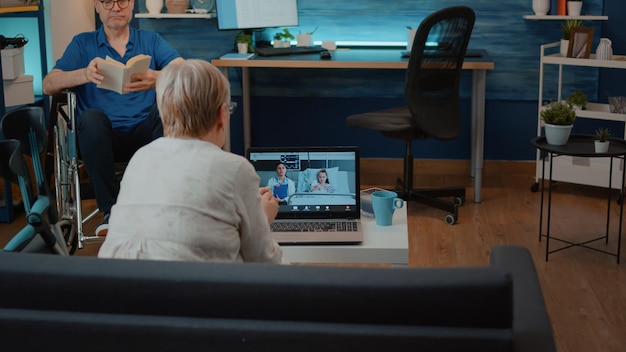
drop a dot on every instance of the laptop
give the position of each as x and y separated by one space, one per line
313 211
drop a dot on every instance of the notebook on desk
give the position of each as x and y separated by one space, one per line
330 216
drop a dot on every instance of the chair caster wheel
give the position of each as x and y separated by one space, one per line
450 219
535 187
458 201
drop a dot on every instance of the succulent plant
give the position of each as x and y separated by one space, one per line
567 26
578 98
603 134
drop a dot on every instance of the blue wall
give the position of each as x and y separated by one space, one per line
292 107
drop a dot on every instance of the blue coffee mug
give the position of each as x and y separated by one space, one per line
384 204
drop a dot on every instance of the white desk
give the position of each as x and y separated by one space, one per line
381 244
370 59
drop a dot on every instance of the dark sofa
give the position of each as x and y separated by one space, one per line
54 303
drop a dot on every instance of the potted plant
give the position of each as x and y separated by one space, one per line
558 119
244 42
566 27
285 37
574 7
601 143
578 100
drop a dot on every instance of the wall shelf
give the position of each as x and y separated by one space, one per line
6 201
176 15
19 9
563 18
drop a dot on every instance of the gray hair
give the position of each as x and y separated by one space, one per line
189 97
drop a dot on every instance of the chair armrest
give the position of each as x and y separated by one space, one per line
532 329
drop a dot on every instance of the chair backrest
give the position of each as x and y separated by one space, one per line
434 71
13 167
28 126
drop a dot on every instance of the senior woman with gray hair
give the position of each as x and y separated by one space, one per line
182 197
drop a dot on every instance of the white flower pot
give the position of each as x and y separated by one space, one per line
564 47
557 134
242 48
601 147
574 8
278 43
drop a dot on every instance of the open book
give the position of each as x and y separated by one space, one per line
116 74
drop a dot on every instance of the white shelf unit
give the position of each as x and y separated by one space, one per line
586 171
33 11
208 15
563 18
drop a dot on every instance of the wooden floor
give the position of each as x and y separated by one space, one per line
585 290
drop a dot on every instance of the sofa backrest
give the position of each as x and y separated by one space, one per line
473 304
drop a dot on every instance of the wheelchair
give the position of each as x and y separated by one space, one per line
66 165
25 132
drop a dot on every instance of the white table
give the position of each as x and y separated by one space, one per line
381 245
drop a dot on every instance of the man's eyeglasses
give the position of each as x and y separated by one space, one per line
232 107
108 4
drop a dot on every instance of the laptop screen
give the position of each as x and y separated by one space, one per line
311 182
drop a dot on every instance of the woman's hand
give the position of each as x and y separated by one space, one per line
270 204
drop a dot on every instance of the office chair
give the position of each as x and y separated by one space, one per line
432 97
25 131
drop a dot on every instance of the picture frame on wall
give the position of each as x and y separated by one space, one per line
580 42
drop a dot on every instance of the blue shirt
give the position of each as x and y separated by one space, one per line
125 111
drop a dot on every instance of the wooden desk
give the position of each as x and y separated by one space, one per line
381 245
371 59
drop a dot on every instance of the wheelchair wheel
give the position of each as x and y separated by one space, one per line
65 229
68 231
64 182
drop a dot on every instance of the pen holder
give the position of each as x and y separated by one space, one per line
305 40
409 40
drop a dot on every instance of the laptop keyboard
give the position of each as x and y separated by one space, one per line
292 50
330 226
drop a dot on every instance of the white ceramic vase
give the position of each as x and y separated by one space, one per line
541 7
574 8
604 51
154 6
557 134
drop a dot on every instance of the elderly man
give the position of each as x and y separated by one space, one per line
111 126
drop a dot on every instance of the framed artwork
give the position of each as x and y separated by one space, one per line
580 42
